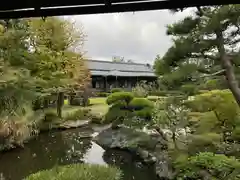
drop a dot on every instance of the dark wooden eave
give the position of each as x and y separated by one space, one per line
43 8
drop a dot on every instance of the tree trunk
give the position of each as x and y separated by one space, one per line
231 78
60 101
174 140
228 67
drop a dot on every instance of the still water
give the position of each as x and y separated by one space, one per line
67 147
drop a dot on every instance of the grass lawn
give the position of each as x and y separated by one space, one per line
98 106
97 100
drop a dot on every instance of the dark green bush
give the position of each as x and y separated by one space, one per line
114 90
140 103
189 89
145 113
236 134
119 96
38 104
115 114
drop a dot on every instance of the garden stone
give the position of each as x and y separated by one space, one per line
152 148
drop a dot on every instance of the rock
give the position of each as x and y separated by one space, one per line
162 166
74 124
150 147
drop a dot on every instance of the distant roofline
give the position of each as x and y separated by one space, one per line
121 71
104 61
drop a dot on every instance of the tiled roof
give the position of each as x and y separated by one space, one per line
108 68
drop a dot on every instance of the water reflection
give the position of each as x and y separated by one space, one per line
45 152
131 166
67 147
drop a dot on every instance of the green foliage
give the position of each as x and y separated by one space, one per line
189 89
197 48
115 113
140 103
221 102
134 122
153 98
76 101
170 114
141 89
204 142
158 93
212 84
51 116
236 134
145 113
114 90
79 114
208 165
77 172
125 97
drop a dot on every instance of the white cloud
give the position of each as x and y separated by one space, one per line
139 36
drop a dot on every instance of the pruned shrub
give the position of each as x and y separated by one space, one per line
140 103
115 114
119 96
145 113
114 90
78 172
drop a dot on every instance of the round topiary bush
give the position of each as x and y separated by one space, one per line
140 103
145 113
115 113
114 90
78 172
119 96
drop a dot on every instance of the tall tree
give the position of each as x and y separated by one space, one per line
60 68
17 87
206 42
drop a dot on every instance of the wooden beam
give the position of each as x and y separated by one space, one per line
127 7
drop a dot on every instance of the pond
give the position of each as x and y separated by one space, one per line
67 147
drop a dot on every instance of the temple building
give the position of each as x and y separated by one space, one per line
107 74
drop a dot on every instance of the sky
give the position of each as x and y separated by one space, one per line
138 36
